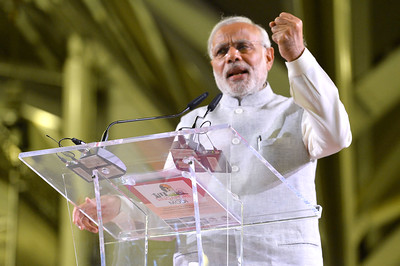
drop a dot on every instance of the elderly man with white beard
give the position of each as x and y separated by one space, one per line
295 131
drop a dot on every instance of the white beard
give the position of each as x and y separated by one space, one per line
254 83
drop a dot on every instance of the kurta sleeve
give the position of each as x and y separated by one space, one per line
325 123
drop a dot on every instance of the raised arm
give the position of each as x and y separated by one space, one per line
325 124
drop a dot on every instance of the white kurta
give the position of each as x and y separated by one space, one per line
294 132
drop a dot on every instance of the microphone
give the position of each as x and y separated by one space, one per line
195 102
213 104
189 107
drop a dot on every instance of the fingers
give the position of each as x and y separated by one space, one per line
89 225
286 18
84 223
272 24
286 25
287 32
90 201
75 216
110 206
81 220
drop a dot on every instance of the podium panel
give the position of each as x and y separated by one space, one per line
195 195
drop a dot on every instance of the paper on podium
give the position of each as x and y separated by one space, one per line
172 200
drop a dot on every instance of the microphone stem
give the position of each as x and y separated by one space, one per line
105 134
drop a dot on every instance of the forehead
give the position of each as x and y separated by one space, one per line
236 31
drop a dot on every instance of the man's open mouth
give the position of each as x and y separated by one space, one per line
236 72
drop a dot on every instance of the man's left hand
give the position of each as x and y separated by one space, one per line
110 207
287 32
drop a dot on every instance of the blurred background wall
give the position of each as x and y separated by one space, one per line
70 67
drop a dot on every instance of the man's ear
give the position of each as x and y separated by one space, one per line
269 57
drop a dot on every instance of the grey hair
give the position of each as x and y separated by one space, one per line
237 19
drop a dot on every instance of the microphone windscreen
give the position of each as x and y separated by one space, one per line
214 102
197 101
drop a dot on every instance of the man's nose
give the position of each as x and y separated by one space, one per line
233 55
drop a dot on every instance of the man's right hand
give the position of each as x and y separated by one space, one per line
110 206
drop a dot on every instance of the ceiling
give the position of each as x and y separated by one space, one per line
69 67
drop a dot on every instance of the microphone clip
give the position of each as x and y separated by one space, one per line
213 104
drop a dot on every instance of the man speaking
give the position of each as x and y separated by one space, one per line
290 133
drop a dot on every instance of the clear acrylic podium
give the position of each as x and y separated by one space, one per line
190 197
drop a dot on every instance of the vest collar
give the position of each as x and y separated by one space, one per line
259 98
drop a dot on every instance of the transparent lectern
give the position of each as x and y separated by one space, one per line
190 197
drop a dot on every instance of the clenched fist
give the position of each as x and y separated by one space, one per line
287 32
